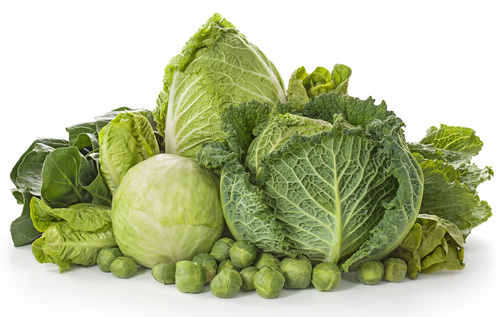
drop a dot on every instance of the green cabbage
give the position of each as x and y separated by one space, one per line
216 68
347 191
166 208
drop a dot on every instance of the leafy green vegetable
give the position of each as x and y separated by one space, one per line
127 140
70 235
217 67
303 86
62 172
451 180
27 173
22 229
433 244
166 208
347 191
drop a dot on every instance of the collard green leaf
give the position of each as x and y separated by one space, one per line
63 171
29 175
26 173
97 188
127 140
217 67
22 230
84 136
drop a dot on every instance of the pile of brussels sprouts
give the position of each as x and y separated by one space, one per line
233 266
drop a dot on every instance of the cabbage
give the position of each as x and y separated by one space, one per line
339 185
217 67
166 208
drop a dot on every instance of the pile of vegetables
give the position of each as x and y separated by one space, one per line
309 182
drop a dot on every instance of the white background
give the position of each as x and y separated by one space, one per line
64 62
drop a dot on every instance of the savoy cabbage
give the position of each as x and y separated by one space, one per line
344 190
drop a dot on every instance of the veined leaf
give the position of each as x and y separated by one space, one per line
218 67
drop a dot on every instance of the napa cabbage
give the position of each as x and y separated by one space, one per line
217 67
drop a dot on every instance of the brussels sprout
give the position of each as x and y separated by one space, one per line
227 264
106 256
123 267
266 260
297 272
164 272
326 276
220 249
247 277
371 272
189 277
395 269
226 284
269 282
209 264
242 253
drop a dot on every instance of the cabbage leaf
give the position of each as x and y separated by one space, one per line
451 180
217 67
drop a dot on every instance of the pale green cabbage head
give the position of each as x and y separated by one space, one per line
166 208
218 67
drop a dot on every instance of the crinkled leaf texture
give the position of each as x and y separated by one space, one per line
246 214
125 141
346 192
343 194
451 180
303 86
70 235
217 68
432 245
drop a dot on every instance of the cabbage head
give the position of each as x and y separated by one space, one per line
166 208
217 67
336 184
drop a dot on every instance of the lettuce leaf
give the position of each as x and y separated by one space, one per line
125 141
451 180
70 235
